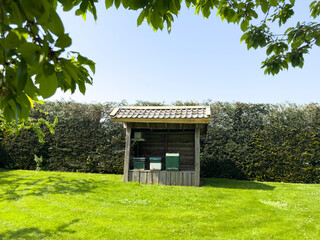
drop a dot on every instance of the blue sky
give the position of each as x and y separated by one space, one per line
200 59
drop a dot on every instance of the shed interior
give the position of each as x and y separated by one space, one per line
156 143
157 139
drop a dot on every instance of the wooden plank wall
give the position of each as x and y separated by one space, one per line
181 178
183 143
157 144
153 146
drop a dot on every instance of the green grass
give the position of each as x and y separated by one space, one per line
52 205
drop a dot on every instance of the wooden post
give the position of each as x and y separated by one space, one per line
127 153
197 156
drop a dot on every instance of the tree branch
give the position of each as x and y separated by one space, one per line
36 37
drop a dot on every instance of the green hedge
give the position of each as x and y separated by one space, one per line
85 140
244 141
263 142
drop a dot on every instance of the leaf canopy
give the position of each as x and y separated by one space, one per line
34 43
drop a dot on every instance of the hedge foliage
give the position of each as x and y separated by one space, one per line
244 141
263 142
85 140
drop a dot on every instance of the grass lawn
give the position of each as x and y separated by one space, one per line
52 205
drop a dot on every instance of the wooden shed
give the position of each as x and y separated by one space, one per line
157 132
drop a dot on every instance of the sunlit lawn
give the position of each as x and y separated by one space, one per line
51 205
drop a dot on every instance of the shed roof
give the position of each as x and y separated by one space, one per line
163 114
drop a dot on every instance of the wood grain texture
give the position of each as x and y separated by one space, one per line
127 154
155 177
168 180
197 157
149 178
130 176
136 176
179 178
163 178
143 177
173 177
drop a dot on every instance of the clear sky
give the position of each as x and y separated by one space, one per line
200 59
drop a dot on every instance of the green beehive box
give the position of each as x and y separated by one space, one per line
172 161
139 163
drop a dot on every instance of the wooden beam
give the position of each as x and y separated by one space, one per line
197 156
114 111
127 154
208 111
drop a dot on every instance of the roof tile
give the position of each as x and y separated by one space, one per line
168 112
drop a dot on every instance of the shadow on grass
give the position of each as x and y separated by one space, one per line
35 233
15 186
235 184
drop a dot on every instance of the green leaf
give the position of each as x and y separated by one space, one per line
273 3
270 49
85 61
48 37
73 86
82 87
177 3
84 6
31 53
25 105
15 14
67 5
14 39
70 69
79 12
141 17
37 9
168 23
205 12
125 4
22 75
264 6
254 14
109 3
19 108
63 41
48 69
8 113
11 75
244 25
188 3
155 20
84 16
117 3
243 37
55 24
296 43
30 88
47 85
